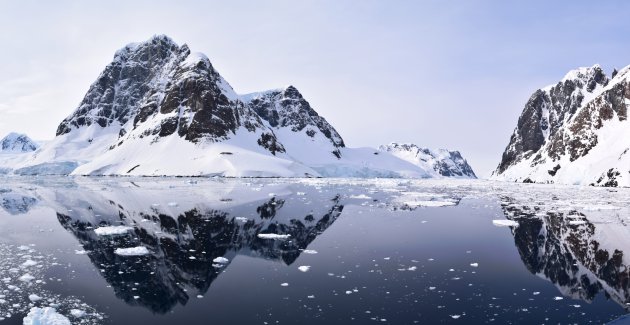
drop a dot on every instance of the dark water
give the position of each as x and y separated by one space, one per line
375 252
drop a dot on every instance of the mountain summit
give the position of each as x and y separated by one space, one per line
17 143
573 132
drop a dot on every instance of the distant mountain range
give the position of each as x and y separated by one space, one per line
158 109
573 132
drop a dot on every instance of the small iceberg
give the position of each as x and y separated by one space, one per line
505 223
132 251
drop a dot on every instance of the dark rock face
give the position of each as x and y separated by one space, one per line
269 142
124 83
15 142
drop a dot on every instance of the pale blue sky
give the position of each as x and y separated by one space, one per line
451 74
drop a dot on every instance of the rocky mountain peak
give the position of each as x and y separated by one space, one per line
115 96
587 77
17 143
287 108
562 125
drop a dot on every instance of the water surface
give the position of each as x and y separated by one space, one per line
347 252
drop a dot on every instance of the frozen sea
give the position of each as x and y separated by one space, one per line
311 251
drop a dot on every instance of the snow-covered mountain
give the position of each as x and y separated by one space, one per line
574 132
17 143
439 162
158 109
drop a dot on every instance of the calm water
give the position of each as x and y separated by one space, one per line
349 251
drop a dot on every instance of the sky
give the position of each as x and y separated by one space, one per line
440 74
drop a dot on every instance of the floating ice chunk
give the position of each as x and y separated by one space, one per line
474 264
309 251
284 284
311 297
536 293
112 230
415 204
26 278
273 236
34 298
81 252
78 313
132 251
220 260
577 222
29 263
557 298
412 268
360 196
45 316
456 316
348 292
505 223
242 219
304 268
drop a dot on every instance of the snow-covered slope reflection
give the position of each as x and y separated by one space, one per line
157 248
16 201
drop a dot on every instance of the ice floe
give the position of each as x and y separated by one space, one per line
112 230
132 251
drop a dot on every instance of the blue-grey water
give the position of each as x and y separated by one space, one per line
347 252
